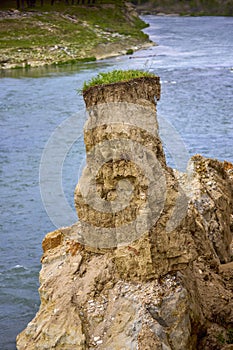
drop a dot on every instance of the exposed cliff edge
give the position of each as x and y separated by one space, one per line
153 272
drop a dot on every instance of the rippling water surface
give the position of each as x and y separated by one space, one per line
194 59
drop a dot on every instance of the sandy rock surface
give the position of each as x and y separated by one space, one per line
171 286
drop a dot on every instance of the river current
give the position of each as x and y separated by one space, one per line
194 59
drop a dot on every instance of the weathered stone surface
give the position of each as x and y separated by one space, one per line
52 240
169 288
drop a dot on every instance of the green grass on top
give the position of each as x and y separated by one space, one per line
116 76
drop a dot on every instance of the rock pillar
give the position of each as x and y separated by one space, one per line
126 187
148 265
122 189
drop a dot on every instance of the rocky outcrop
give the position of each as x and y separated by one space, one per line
148 266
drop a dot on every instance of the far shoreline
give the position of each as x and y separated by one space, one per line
221 8
64 35
111 54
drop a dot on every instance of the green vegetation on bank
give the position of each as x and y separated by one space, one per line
67 33
116 76
187 7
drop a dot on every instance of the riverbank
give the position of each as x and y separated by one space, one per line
61 34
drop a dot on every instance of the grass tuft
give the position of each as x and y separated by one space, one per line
116 76
129 52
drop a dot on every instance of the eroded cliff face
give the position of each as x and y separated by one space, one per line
113 281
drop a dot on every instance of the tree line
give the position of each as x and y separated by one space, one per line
32 3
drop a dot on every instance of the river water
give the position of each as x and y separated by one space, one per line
194 59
